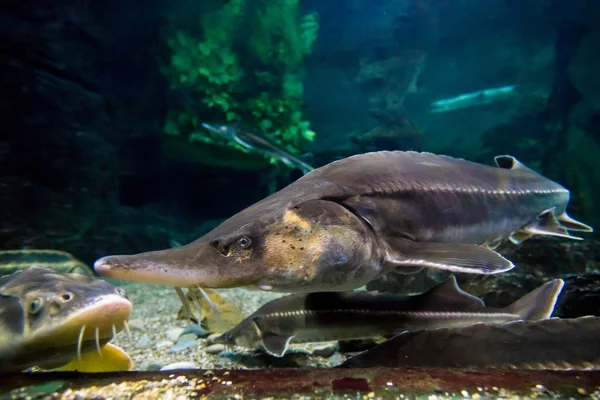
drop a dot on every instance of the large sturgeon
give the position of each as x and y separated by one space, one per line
350 221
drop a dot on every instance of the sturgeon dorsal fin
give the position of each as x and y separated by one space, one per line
274 344
508 162
539 303
448 296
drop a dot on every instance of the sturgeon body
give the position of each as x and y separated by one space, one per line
353 220
329 316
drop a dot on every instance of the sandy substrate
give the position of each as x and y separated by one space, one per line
154 328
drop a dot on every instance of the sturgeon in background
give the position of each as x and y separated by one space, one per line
551 344
51 320
353 220
255 141
328 316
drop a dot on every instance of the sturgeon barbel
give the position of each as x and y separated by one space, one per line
353 220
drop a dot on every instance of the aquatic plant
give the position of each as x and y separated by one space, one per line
244 65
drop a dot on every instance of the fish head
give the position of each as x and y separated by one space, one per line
315 244
247 334
226 131
53 316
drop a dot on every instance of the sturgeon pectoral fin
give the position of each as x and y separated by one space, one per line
274 344
455 257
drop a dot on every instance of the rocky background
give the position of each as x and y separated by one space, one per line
85 165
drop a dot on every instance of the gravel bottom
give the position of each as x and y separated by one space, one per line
154 330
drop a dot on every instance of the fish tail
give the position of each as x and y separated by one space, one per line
539 303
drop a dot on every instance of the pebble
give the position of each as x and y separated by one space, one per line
215 349
335 360
153 367
144 341
136 324
174 333
164 343
324 351
187 336
196 330
179 365
210 339
182 345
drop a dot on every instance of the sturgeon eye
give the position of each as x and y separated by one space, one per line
35 306
67 296
244 242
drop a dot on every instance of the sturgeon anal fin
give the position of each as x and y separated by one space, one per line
111 359
274 344
448 296
573 225
539 303
457 257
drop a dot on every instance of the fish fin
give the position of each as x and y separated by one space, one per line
111 359
539 303
548 225
520 237
274 344
456 257
573 225
493 244
448 296
509 162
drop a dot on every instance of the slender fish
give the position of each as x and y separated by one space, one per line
327 316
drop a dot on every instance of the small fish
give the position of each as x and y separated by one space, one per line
57 260
255 141
228 316
479 98
49 319
551 344
327 316
351 221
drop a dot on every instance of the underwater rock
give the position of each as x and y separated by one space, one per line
196 330
182 345
324 351
215 348
144 342
164 344
173 334
179 365
136 325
